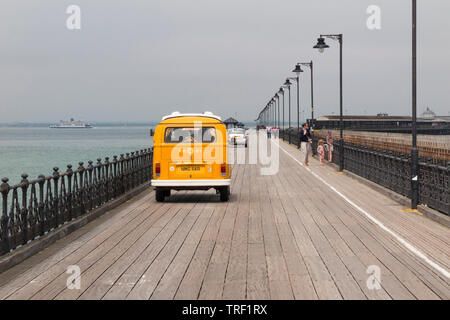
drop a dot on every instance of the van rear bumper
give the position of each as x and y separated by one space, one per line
192 183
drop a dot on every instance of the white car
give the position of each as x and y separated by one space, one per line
237 136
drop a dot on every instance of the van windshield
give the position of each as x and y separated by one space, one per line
190 135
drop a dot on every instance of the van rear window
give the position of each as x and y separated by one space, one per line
190 135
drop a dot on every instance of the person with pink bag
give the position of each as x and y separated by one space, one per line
330 141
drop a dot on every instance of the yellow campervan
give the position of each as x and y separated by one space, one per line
190 153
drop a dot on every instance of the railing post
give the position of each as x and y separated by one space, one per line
143 173
122 174
415 173
341 154
448 188
127 173
56 196
115 179
99 182
139 167
69 191
136 169
82 194
4 189
133 170
107 177
24 211
90 168
150 164
41 214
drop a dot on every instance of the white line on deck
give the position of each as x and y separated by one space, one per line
409 246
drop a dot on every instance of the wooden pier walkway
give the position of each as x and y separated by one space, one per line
304 233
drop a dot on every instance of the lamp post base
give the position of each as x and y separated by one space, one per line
414 178
341 155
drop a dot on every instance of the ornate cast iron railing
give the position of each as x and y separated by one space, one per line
32 208
392 170
291 136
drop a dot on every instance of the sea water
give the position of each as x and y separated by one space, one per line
36 150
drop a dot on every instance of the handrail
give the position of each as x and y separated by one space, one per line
391 169
32 208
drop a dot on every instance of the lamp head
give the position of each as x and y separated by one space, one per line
321 45
297 70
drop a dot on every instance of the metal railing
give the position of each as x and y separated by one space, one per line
32 208
392 169
430 146
290 135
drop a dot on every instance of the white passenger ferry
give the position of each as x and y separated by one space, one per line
72 124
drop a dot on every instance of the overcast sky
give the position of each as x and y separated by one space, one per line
136 60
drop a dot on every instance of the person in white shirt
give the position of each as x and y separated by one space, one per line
269 132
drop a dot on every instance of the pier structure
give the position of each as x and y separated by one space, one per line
301 233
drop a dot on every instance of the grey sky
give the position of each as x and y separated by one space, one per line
138 60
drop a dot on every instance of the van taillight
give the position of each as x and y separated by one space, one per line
157 169
223 170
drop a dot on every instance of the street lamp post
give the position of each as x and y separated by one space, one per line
288 84
321 46
281 92
266 116
271 113
310 65
277 98
414 150
298 70
274 112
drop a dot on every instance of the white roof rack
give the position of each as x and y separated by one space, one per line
177 114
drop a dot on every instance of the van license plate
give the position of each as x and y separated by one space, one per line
189 168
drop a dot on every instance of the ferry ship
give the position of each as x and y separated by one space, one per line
72 124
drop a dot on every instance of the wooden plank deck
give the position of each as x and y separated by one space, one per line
285 236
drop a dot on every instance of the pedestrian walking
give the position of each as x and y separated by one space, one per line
305 139
330 142
269 132
275 131
321 151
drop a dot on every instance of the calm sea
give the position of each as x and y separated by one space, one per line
37 150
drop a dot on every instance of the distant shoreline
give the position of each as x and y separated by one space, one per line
94 124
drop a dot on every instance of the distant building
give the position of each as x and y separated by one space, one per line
428 114
428 123
231 123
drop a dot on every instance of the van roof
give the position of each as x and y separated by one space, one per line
177 114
